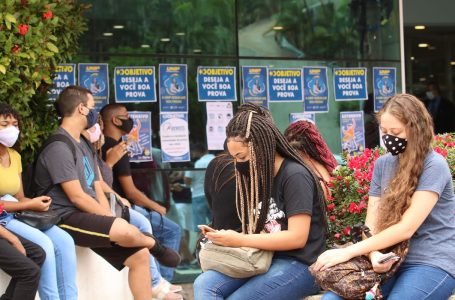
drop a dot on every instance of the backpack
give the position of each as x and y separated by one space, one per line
28 175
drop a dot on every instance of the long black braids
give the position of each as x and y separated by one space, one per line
254 126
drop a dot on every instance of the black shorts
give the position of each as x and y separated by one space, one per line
92 231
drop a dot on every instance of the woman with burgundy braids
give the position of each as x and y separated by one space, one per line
280 206
308 141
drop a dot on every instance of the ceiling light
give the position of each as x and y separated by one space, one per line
431 48
108 34
197 50
412 57
165 39
423 45
180 33
119 26
277 27
419 27
422 79
452 63
145 46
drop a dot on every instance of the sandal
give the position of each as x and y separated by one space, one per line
166 291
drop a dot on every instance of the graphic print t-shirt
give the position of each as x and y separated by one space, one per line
294 192
56 165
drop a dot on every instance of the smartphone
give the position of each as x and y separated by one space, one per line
206 228
389 258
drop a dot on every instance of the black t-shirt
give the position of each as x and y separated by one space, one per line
219 187
294 192
121 168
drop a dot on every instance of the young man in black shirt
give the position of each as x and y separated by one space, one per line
116 124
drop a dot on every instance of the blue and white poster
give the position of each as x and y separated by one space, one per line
294 117
95 77
384 85
254 80
139 140
65 75
134 84
285 85
352 131
350 84
174 136
315 89
216 84
173 88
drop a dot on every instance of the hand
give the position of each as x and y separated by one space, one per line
18 245
331 258
176 187
376 256
160 209
114 154
40 203
125 202
228 238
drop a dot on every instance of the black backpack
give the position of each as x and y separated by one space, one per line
28 175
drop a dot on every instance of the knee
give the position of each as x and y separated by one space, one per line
200 284
140 258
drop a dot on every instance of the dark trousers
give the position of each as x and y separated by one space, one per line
24 270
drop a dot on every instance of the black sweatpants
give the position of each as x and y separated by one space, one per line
24 270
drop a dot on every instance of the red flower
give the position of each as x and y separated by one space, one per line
23 29
362 205
15 48
347 230
337 236
353 208
330 207
441 151
332 218
47 15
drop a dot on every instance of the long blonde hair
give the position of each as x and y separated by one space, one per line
419 132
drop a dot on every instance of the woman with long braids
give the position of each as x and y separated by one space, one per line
278 194
307 140
411 197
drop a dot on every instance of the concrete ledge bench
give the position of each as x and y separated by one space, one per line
96 278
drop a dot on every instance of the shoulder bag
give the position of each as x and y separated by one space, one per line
354 278
41 220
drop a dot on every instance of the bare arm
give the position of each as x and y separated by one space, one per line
294 238
138 197
12 239
40 203
422 203
81 200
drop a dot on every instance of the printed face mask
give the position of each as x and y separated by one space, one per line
394 144
127 125
95 135
92 118
9 136
243 167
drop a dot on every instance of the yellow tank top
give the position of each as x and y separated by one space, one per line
10 182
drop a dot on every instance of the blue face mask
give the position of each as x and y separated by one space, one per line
92 118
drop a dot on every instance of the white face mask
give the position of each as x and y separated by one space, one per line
430 95
8 136
95 135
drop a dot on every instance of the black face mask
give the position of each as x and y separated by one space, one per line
127 125
395 145
243 167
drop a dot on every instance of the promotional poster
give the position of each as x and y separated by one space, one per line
352 131
139 140
134 84
95 77
216 84
315 89
384 85
285 85
218 116
65 75
350 84
173 88
254 82
174 135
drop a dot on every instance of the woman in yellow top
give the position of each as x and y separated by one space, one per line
58 273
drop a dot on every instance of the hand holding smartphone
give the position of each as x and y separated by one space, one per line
389 258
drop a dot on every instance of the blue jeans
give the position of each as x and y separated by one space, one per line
58 272
167 232
144 225
414 281
201 212
286 279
